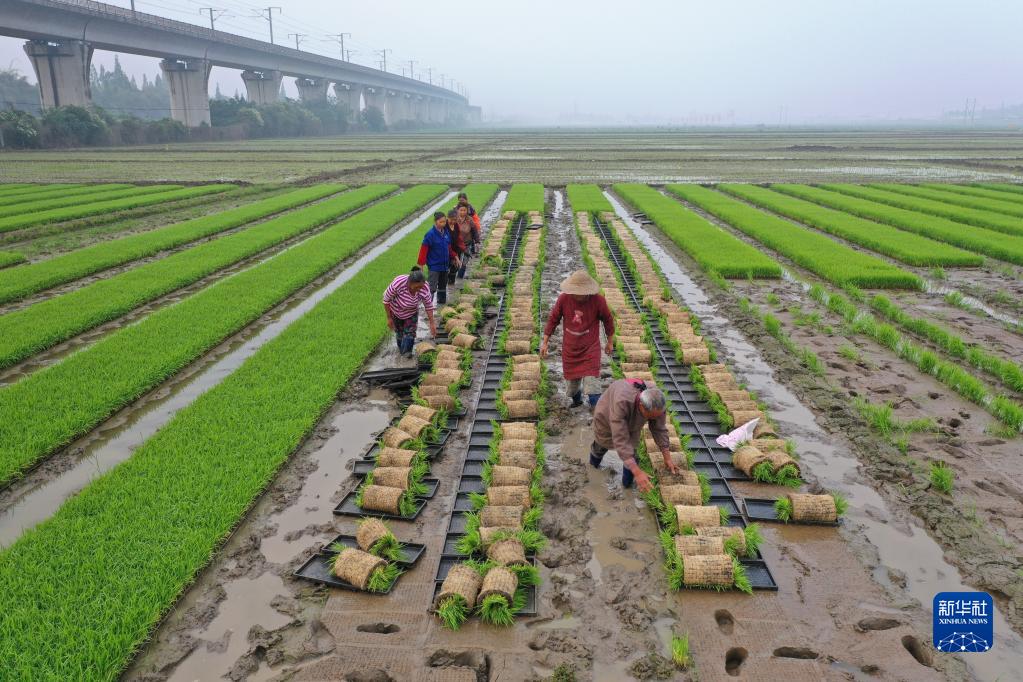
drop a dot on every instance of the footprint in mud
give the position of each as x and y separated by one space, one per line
916 648
375 675
725 621
796 652
734 658
378 628
875 623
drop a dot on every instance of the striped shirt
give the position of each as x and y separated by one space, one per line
402 302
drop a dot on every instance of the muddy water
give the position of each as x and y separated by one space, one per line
37 501
901 545
933 287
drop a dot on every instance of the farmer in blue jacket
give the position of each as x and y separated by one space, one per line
438 254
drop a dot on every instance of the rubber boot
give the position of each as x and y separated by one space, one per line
594 397
627 478
577 399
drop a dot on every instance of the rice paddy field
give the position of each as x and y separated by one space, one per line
215 464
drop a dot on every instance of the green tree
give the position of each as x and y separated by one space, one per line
17 93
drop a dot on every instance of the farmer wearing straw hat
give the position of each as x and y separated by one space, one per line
583 310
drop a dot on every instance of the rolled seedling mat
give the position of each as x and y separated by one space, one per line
642 376
421 412
530 385
747 457
508 552
739 406
813 508
447 348
381 498
515 347
424 347
355 566
766 445
393 477
517 395
780 459
412 551
724 533
764 428
448 361
508 444
370 532
394 438
699 545
721 382
433 390
730 396
628 367
530 371
439 400
501 517
500 581
716 570
464 340
503 476
413 425
523 460
697 516
506 496
688 495
518 409
526 359
694 356
683 477
442 377
456 328
490 534
395 457
462 581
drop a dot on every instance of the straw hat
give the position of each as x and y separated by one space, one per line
580 283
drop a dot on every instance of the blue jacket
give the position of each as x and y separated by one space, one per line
435 252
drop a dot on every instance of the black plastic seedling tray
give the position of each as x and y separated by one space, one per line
412 550
317 569
388 375
763 510
349 508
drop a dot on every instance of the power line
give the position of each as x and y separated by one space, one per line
298 39
269 16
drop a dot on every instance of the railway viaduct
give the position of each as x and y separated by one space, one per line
62 34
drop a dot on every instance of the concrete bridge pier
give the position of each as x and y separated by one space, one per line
312 89
262 87
420 110
188 80
62 71
438 110
393 104
377 97
350 94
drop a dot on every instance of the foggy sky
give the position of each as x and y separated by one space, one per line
741 61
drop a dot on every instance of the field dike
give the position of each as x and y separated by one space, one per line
41 492
881 530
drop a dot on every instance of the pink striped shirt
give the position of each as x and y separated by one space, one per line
403 302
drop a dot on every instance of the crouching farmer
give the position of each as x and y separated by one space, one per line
401 303
622 411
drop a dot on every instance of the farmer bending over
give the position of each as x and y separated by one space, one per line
618 421
437 255
401 302
583 310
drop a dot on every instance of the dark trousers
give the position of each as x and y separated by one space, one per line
405 333
597 453
439 285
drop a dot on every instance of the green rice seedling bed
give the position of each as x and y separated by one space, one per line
12 203
907 247
13 188
135 538
47 323
83 197
1010 190
53 406
9 258
976 197
17 284
111 207
525 197
710 246
980 240
912 198
823 256
588 198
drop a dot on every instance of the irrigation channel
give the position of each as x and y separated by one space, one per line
41 493
905 558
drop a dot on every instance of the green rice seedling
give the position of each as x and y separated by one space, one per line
783 509
713 248
740 579
772 299
850 353
825 257
479 500
525 197
453 612
104 211
753 539
705 490
957 207
680 651
977 239
9 258
383 578
587 198
672 561
724 515
906 247
81 197
938 273
841 504
15 285
471 541
531 519
495 610
942 476
811 361
417 488
773 325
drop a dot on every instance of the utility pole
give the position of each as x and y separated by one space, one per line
298 39
383 58
349 53
268 14
411 70
429 74
340 38
214 15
